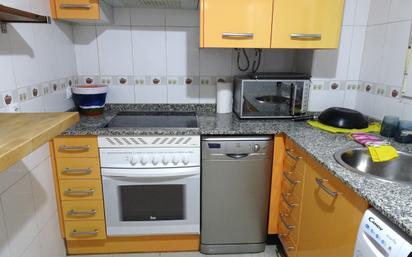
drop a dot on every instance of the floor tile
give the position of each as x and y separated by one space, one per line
137 255
182 254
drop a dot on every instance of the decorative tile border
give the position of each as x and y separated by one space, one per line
153 80
24 94
360 86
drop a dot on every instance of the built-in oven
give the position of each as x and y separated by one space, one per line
151 188
274 95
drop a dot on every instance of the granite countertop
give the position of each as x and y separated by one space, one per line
393 200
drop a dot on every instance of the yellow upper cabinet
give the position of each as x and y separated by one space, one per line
307 23
96 11
235 23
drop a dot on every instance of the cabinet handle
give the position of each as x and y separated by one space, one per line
291 181
332 193
305 36
290 205
67 148
282 219
290 248
81 213
229 35
76 233
289 152
77 171
79 192
75 6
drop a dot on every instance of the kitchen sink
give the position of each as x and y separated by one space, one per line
358 160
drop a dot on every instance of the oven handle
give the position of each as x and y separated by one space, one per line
151 173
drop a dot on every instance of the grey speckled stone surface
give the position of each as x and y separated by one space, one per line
393 200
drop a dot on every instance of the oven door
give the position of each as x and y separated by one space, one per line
152 201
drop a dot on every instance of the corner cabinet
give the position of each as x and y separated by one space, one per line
236 23
312 24
307 23
319 215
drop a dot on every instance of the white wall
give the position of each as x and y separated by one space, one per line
335 73
36 58
144 45
383 60
29 224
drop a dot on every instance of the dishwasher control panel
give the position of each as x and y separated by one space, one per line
246 146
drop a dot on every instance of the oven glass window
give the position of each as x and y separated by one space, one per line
152 202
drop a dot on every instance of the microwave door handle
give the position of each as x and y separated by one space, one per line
292 99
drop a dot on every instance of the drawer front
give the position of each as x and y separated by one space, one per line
289 246
85 230
290 207
83 210
289 227
293 162
76 168
80 190
78 10
292 184
75 147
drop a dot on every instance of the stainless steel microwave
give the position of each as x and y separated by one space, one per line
277 96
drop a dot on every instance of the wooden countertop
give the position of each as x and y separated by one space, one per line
22 133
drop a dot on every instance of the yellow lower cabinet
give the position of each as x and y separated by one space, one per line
83 210
74 168
80 189
85 230
330 216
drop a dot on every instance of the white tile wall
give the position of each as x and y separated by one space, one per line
115 50
31 54
388 31
146 44
28 217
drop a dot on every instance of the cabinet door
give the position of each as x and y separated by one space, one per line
77 10
236 23
329 223
307 23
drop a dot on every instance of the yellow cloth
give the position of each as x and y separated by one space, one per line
373 127
382 153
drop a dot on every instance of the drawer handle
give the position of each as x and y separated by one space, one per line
290 248
81 148
85 171
282 219
291 181
81 213
289 152
290 205
305 36
229 35
76 233
75 6
321 184
79 192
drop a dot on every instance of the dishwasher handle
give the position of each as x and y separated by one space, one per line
237 155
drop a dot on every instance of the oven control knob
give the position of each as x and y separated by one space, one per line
166 160
144 160
134 160
185 160
155 160
176 160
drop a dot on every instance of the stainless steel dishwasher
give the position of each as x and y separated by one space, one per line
236 173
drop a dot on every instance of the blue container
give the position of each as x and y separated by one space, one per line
90 99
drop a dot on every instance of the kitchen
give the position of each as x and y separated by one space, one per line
145 179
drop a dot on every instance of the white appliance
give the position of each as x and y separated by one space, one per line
378 237
151 184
